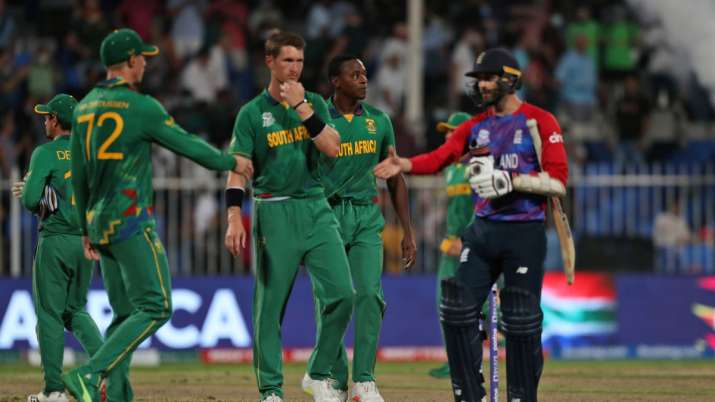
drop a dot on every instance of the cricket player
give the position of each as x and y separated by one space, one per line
60 273
460 210
366 138
284 131
113 131
507 235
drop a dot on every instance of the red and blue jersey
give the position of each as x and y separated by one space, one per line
511 145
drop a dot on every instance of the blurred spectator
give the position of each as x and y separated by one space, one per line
620 44
139 15
42 77
8 154
466 50
388 90
577 78
264 18
671 235
188 27
205 75
670 228
584 26
89 26
232 16
435 42
7 26
12 75
667 121
319 20
631 116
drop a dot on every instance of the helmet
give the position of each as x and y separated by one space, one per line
500 62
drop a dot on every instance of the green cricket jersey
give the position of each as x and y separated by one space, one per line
112 135
50 164
460 206
285 160
365 137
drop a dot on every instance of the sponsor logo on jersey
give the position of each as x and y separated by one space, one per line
371 127
517 136
555 138
268 119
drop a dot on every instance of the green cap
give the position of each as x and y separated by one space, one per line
122 43
61 105
455 119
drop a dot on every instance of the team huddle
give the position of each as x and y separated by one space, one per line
312 166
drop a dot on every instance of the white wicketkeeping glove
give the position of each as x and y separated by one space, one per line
48 203
492 184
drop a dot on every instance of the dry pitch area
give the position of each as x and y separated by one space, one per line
562 381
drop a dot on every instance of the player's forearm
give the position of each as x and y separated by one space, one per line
32 193
325 137
540 183
397 186
195 148
234 181
328 142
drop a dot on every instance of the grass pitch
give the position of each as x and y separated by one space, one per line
562 381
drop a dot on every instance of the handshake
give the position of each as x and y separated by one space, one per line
486 181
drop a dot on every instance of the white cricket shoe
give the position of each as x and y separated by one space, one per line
272 398
52 397
342 394
366 392
321 390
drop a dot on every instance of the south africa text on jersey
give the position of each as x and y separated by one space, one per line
358 148
283 137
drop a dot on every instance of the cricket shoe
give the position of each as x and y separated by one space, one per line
52 397
366 392
83 387
322 390
272 398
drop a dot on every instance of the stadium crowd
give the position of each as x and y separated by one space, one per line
612 81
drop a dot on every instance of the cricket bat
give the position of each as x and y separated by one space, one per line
561 221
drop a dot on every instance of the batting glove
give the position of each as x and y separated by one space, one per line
493 184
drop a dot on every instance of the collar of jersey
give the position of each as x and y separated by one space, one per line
334 113
272 101
113 82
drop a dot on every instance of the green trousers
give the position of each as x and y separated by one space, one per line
361 228
286 234
136 275
60 281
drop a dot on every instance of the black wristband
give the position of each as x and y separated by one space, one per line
299 103
234 197
314 125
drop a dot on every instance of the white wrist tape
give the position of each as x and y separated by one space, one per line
542 184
